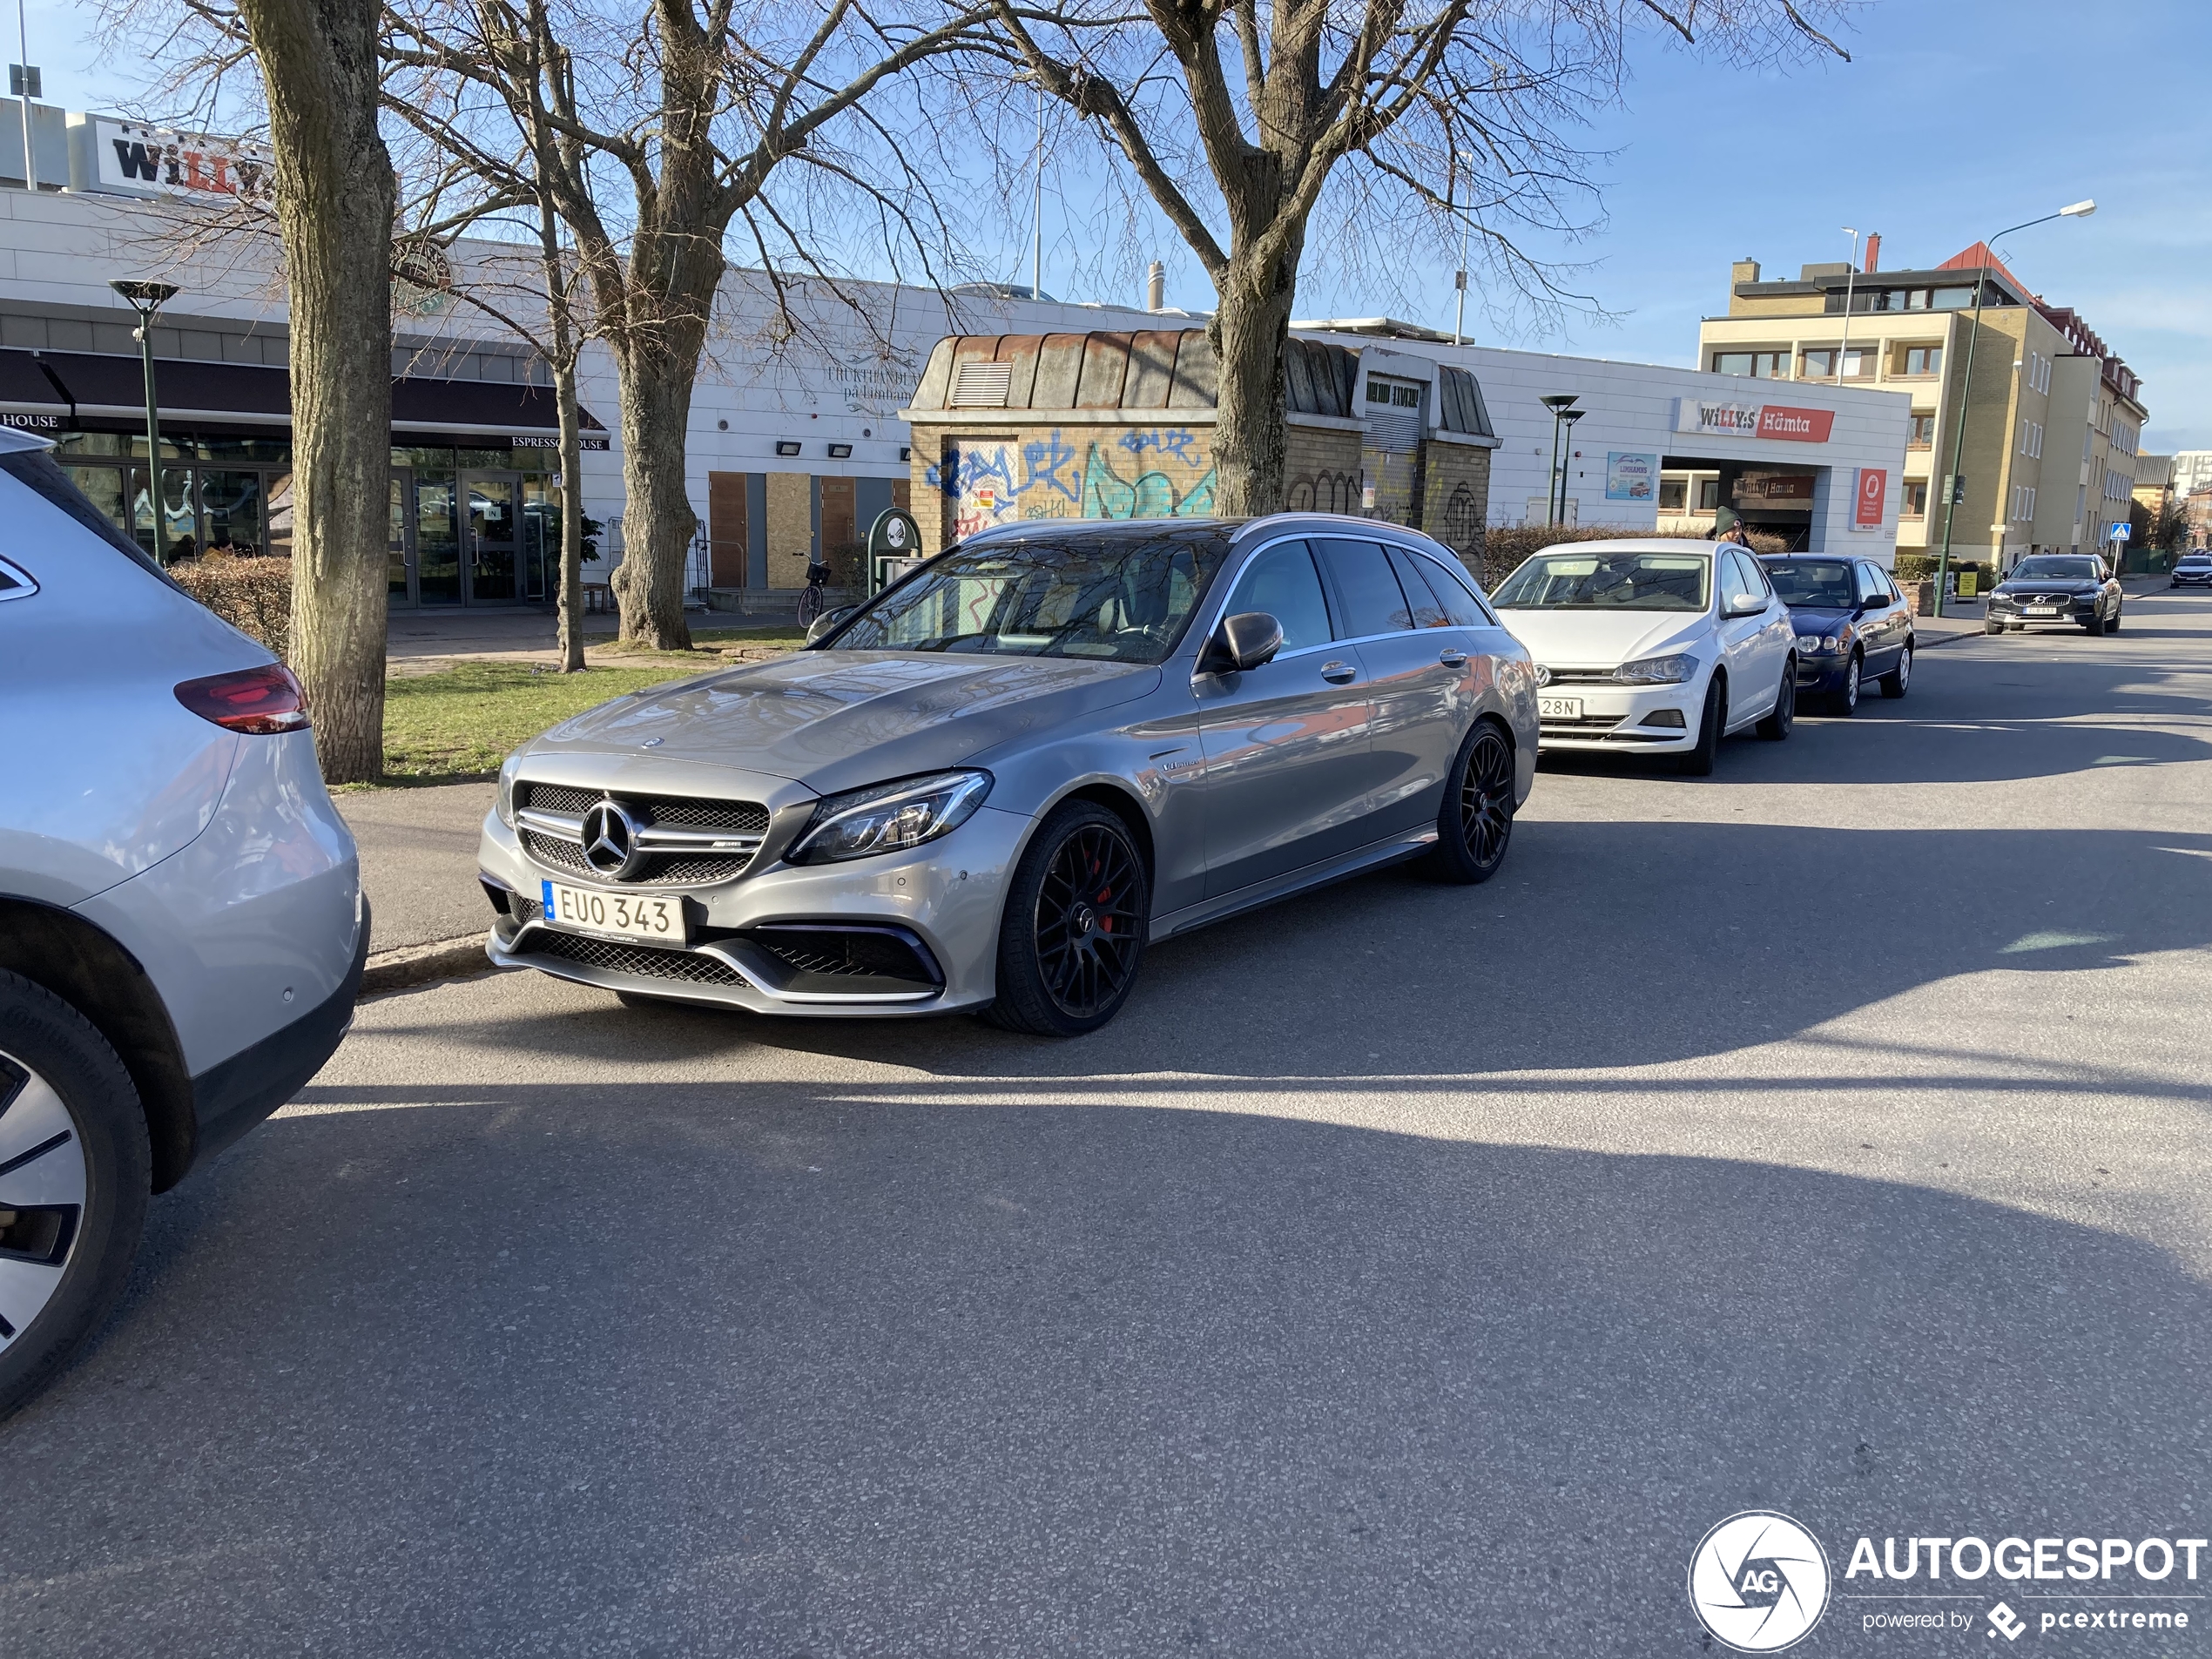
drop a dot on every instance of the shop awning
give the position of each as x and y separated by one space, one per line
92 385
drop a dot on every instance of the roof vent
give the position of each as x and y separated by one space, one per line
981 385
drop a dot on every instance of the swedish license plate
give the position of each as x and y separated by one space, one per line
2038 610
657 918
1559 708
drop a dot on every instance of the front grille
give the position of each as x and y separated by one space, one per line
647 960
1585 723
522 907
848 954
682 867
745 817
1581 677
552 849
557 798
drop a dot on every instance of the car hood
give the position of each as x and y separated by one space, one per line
836 720
1603 638
1827 619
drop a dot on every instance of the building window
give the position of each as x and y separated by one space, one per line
1708 495
1920 360
1674 495
1820 363
1950 299
1761 365
1916 500
1922 433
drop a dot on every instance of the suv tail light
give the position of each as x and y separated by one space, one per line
258 700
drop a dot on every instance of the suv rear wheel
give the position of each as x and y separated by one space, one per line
75 1170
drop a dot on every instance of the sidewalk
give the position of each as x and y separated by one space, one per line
418 852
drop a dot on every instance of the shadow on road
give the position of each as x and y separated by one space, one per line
1579 956
782 1369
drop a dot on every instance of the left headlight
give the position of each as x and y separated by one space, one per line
1656 671
889 818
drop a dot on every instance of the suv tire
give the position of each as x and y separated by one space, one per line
74 1173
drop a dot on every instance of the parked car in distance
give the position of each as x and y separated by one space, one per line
2192 571
992 785
1653 646
2055 590
1852 625
182 930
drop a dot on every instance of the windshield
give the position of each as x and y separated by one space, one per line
2046 569
1607 582
1116 594
1821 582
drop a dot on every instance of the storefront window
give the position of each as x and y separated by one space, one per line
90 443
173 533
103 485
540 534
230 505
395 543
279 488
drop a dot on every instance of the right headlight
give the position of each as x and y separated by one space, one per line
503 802
1656 671
889 818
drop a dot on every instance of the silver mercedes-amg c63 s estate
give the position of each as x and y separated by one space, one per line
992 785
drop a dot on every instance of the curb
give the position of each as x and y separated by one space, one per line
412 965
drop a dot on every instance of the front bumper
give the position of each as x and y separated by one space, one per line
2191 580
944 897
1823 674
1618 717
2075 613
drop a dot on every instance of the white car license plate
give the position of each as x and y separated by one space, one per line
2038 610
1559 708
655 917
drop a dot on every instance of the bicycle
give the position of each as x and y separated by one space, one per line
810 603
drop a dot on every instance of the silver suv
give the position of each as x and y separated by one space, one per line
182 930
989 787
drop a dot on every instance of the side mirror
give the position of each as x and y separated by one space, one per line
1746 605
1243 642
828 621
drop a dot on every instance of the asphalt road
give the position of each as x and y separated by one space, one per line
1409 1271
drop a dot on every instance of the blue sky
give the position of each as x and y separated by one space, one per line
1954 118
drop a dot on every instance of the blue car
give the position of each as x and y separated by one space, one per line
1852 625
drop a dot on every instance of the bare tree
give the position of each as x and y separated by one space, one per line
1239 123
684 113
335 198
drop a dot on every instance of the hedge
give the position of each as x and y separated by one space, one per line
252 595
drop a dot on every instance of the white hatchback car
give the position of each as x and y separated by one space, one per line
181 924
1653 645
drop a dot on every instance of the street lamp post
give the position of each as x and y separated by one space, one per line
1566 461
1558 403
148 299
1850 275
1952 488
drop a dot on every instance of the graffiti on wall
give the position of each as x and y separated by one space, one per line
1147 472
1323 492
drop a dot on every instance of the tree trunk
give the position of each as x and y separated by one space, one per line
1248 331
336 196
658 522
571 515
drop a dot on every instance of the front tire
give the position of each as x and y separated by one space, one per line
1898 680
74 1172
1698 763
1474 825
1783 715
1844 703
810 606
2112 622
1072 933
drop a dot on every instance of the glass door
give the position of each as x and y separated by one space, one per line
493 502
399 556
437 539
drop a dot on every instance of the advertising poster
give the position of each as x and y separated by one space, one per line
1871 499
1631 475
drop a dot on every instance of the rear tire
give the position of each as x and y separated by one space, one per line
1072 936
1698 763
75 1199
810 605
1475 824
1783 715
1898 680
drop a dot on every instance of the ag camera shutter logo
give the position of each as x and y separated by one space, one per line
1759 1581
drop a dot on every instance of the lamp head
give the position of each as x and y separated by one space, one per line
1572 415
1560 401
146 297
2079 210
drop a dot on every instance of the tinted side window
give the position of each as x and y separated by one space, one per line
1372 601
1872 588
1739 575
1283 583
1428 610
1454 591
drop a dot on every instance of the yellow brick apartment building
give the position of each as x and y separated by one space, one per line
2054 427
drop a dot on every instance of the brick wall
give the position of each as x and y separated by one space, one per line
1455 498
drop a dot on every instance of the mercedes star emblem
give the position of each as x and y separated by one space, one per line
610 840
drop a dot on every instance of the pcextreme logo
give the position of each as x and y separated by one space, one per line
1758 1582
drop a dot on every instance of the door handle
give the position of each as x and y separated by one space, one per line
1454 659
1338 673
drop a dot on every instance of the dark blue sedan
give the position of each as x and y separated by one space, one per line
1852 626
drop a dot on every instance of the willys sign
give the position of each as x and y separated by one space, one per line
1753 420
153 161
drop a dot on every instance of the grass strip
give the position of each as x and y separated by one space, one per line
463 722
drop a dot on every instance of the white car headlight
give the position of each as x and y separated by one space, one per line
889 818
1817 642
503 803
1656 671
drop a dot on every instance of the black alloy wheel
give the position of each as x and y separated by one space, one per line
1474 825
1778 722
1698 762
1072 933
